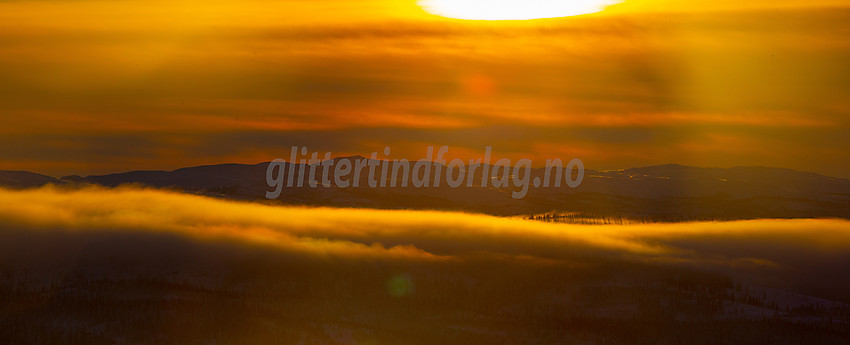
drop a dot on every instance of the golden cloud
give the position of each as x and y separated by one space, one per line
350 233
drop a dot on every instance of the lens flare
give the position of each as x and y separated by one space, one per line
513 9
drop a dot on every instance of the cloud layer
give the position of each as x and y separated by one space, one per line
778 251
141 85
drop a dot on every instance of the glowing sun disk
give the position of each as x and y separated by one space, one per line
513 9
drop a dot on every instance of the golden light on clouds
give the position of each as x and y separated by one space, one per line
93 87
429 236
513 9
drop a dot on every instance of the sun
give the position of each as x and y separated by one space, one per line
513 9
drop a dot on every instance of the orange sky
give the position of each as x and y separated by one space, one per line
96 87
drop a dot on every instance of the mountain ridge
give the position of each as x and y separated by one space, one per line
660 192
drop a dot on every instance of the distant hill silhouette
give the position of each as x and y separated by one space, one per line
657 193
23 179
